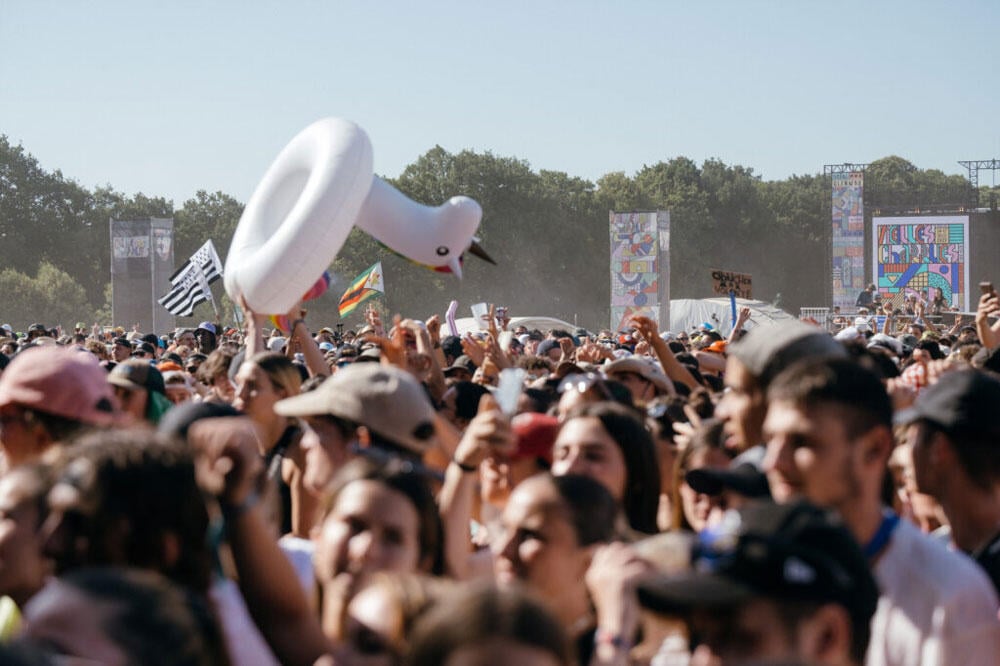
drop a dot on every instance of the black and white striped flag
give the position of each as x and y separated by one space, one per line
191 281
205 258
190 288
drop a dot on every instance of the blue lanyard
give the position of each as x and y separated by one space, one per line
881 538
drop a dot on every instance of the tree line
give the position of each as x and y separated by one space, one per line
547 230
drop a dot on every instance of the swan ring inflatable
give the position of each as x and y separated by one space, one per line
318 188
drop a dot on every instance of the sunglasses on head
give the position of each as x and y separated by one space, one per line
584 382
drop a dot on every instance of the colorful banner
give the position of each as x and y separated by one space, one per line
920 255
848 238
640 267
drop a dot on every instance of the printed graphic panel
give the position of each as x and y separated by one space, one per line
640 245
848 237
920 255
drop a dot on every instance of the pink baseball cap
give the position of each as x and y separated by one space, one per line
59 381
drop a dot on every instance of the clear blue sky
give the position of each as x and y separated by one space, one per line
170 97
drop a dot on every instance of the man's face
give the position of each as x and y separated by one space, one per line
121 353
926 469
641 389
204 338
132 403
21 437
809 455
187 339
742 407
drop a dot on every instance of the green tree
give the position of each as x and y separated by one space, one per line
51 297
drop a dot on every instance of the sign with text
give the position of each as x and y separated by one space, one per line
724 282
926 256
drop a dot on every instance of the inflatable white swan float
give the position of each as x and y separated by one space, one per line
319 186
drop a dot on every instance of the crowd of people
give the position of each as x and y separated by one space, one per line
396 495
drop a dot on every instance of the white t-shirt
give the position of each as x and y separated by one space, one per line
936 606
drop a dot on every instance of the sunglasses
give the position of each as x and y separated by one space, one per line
582 383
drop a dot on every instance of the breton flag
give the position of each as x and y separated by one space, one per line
191 282
365 286
190 288
207 259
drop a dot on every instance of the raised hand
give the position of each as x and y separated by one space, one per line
496 354
433 324
374 320
646 327
228 459
489 434
567 348
471 348
590 352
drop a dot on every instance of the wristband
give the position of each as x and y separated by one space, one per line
231 511
464 467
291 328
617 641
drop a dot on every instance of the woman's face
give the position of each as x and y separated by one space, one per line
256 394
178 394
225 388
537 545
698 507
370 528
571 399
326 451
585 447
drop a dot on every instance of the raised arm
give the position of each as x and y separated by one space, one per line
887 322
229 467
488 433
671 366
741 318
989 306
315 363
255 329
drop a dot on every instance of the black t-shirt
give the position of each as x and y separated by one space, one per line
988 558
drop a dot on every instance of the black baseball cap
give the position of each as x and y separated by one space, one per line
744 475
784 552
744 478
961 402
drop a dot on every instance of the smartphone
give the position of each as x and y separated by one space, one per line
986 287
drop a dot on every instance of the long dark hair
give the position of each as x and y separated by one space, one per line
642 483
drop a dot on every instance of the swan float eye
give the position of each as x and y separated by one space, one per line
442 251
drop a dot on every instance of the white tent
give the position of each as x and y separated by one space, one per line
468 324
689 313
